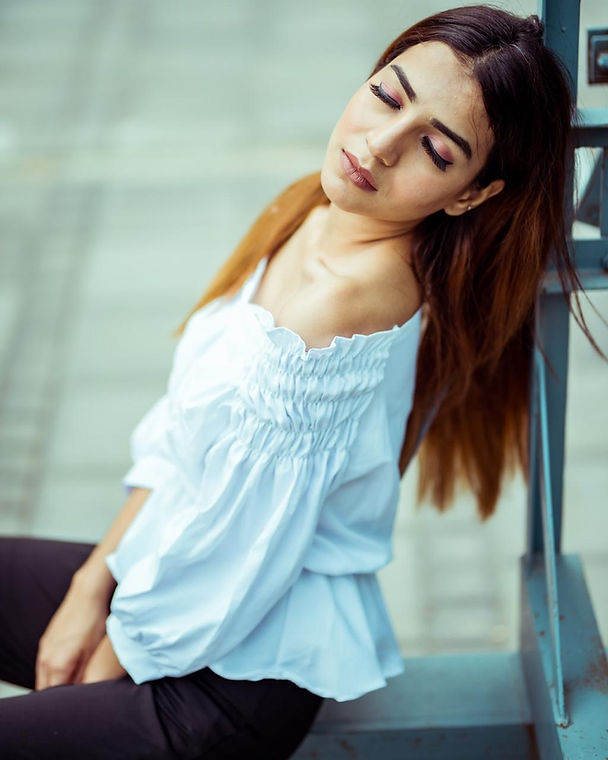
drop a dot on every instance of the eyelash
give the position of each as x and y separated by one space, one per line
426 143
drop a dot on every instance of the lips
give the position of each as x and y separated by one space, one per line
354 161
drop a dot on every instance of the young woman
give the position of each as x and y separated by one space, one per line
237 588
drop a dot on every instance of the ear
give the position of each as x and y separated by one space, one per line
473 197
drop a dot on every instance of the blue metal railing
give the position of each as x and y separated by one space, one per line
568 668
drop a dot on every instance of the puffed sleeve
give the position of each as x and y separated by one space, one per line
254 458
152 465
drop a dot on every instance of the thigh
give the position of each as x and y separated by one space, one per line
110 719
192 717
35 574
277 711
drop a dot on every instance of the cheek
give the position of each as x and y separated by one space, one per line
417 190
352 119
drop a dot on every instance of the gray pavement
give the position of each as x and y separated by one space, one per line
138 141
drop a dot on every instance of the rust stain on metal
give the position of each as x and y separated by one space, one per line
596 675
348 747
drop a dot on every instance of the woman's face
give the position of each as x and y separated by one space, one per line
415 167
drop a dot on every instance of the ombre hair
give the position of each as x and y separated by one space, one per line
481 272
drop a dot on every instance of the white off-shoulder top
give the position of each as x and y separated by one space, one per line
275 481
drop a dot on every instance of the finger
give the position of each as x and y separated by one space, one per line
80 670
62 673
58 678
41 675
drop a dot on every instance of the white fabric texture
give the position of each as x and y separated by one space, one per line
275 481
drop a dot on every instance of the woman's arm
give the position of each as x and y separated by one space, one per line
76 632
103 664
94 577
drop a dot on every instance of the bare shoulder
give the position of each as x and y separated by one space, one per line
371 297
384 292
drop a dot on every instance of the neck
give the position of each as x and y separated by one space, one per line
337 233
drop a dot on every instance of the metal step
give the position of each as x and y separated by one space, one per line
465 706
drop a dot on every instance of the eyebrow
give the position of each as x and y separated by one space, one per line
409 91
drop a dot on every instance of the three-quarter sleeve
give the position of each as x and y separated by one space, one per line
152 464
253 448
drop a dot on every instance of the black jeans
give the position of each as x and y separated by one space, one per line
200 715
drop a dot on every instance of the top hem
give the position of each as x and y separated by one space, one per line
256 675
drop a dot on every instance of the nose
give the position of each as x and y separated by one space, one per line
386 142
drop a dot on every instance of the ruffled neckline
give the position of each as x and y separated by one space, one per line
285 337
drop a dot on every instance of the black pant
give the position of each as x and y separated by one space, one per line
200 715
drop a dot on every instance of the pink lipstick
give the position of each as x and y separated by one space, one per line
355 172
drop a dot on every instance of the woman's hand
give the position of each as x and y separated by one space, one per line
104 664
70 638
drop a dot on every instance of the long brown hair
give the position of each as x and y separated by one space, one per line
481 272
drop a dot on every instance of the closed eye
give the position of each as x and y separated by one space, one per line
383 95
441 163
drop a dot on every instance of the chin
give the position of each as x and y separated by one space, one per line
339 191
333 181
328 182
